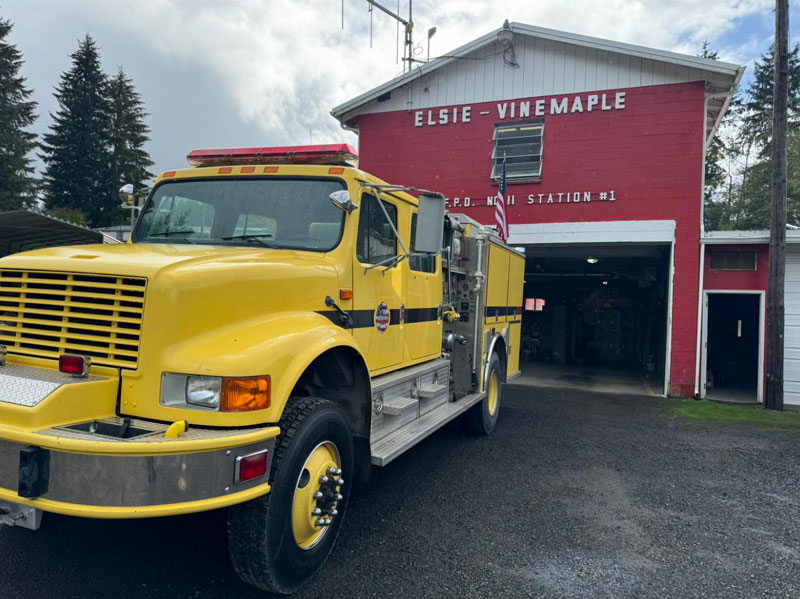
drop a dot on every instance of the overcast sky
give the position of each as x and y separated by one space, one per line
227 73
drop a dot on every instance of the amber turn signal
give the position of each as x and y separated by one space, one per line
245 394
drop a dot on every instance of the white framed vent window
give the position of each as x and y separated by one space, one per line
521 146
733 260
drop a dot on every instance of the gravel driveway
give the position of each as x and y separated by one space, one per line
575 495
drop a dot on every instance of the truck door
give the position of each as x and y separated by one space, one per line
424 295
378 294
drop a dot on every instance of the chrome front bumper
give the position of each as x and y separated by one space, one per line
88 474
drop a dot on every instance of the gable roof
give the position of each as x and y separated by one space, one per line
726 76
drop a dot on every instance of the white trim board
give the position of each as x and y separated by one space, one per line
621 231
761 334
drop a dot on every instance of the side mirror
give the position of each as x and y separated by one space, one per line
126 194
341 199
430 223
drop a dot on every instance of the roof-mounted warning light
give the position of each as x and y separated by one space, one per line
327 154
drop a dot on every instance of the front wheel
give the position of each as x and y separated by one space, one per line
279 541
482 417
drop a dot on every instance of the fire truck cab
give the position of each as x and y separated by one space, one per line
279 323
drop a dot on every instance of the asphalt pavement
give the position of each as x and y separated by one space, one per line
574 495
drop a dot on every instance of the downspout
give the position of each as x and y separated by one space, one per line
701 282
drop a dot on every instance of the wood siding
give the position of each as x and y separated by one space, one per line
546 68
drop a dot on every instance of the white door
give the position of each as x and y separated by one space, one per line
791 362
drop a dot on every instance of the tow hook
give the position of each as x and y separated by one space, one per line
12 514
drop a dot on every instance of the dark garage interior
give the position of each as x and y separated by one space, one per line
596 315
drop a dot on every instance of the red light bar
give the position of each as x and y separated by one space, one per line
333 154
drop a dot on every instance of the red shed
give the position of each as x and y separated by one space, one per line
603 146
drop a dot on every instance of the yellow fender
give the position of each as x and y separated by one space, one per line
282 345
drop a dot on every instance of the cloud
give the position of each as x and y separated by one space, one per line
283 64
287 62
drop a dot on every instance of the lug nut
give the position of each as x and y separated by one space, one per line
340 482
339 497
338 471
317 495
334 512
316 512
331 470
323 479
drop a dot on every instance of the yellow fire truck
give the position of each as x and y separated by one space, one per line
279 323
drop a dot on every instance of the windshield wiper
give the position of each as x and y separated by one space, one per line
258 237
170 233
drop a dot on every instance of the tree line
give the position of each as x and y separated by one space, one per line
94 145
738 173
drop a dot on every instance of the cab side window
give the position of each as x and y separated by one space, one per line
376 241
419 263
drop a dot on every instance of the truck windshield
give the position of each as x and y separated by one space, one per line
273 212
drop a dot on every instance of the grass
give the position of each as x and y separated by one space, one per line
788 420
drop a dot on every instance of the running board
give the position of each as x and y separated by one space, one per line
394 444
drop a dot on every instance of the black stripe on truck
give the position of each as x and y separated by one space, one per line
363 319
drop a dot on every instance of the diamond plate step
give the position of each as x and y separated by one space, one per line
394 444
398 406
432 391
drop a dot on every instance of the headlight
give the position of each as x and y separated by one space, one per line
203 391
215 393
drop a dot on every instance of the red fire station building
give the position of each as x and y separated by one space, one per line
603 145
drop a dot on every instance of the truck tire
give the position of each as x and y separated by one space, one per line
275 542
482 417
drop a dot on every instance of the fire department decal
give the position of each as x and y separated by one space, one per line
382 317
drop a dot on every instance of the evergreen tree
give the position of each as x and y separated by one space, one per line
129 133
714 172
17 187
753 207
717 193
77 150
757 123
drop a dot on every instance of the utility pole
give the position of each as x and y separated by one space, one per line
777 235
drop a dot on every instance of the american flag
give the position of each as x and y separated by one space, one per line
500 207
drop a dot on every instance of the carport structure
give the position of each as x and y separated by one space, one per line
23 230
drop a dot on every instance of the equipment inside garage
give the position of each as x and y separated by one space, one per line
596 308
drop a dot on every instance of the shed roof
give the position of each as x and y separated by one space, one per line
746 237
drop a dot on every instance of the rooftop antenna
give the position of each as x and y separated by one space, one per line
408 24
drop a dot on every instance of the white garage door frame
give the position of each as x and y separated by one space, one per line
761 327
621 233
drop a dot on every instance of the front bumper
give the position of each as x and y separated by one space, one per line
99 476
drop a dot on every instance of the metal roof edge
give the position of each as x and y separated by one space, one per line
745 237
718 66
725 68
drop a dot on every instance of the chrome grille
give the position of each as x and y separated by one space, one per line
47 314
